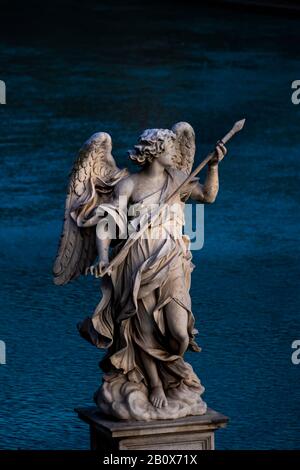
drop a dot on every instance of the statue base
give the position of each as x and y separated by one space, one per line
189 433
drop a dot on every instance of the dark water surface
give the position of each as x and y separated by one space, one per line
122 71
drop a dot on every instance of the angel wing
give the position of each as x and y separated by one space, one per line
92 181
185 146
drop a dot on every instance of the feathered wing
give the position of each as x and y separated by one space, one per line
185 146
92 181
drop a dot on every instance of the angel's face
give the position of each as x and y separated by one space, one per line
166 158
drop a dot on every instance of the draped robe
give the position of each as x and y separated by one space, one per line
130 316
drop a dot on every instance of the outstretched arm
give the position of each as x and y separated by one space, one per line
206 193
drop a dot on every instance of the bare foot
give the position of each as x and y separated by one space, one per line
158 397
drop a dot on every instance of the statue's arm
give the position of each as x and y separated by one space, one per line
206 193
122 194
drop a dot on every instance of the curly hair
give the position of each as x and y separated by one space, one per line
151 143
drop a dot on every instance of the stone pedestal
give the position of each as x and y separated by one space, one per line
190 433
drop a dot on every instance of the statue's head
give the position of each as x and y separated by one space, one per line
155 143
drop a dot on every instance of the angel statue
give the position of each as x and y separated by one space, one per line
144 319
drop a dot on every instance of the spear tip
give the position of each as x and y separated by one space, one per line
239 125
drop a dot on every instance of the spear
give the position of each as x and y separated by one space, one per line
238 126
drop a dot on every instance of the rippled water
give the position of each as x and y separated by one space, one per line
122 71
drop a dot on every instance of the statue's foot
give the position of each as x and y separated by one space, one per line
158 397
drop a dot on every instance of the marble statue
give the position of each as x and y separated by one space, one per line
144 319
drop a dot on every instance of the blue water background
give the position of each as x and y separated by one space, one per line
121 71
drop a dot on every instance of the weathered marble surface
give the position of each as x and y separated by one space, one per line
129 400
190 433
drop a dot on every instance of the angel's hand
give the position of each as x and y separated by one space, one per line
98 268
219 154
